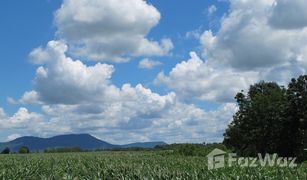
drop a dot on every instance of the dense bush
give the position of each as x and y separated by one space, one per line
24 150
6 151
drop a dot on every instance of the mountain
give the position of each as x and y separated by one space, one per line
83 141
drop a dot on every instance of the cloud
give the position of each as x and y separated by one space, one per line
62 80
110 30
237 43
245 50
148 64
75 97
211 10
196 79
10 100
13 137
30 97
177 122
289 14
2 113
195 34
26 123
22 119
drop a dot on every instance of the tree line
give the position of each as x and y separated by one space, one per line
26 150
22 150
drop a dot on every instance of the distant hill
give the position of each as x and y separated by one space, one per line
83 141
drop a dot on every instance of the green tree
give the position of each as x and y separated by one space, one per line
256 127
24 150
6 151
294 132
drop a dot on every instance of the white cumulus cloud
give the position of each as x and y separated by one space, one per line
110 30
246 49
75 97
22 119
196 79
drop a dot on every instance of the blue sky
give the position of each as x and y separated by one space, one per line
141 70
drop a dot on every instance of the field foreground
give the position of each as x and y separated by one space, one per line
131 165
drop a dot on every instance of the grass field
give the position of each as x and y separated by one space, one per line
130 165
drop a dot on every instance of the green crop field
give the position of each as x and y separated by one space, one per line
131 165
